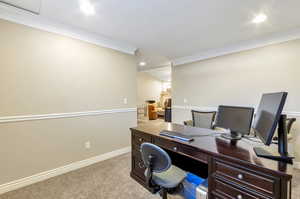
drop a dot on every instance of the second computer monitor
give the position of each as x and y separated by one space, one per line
237 119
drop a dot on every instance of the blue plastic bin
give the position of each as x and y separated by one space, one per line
190 184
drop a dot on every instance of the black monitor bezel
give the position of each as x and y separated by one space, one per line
238 107
268 140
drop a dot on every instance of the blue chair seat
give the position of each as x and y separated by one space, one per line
170 178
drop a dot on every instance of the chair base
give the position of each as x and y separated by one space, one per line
163 193
175 190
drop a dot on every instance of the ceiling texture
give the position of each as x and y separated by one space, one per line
167 31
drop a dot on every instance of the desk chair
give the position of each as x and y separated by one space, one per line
289 123
160 174
202 119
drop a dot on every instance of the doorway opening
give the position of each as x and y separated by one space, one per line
154 91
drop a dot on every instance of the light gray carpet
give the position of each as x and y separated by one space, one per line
105 180
296 185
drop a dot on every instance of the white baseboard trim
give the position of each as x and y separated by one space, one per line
59 171
22 118
297 165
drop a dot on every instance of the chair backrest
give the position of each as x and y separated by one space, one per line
155 157
289 123
203 119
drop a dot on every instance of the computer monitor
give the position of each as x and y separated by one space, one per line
237 119
268 116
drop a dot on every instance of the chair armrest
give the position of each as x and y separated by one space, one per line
188 123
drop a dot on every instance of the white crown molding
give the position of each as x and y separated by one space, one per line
274 38
23 118
207 108
59 171
37 21
155 68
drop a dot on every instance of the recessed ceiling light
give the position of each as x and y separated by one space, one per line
86 7
142 63
259 18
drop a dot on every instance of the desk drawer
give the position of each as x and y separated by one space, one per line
222 190
181 148
196 154
167 144
246 178
138 139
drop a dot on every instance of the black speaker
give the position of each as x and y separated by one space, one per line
168 115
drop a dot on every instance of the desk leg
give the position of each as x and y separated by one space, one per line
290 189
210 178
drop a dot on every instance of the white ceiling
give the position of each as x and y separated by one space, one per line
165 30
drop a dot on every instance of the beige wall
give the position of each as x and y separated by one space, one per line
43 73
148 88
240 79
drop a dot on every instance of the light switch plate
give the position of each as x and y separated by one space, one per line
125 101
87 145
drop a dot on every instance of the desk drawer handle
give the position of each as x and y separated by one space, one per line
240 176
175 148
141 165
141 139
239 196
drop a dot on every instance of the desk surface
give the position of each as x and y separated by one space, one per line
208 141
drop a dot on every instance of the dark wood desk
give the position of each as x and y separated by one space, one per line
232 171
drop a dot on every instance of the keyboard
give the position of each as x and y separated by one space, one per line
175 135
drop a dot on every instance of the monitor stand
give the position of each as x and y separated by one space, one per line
273 155
233 136
282 154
